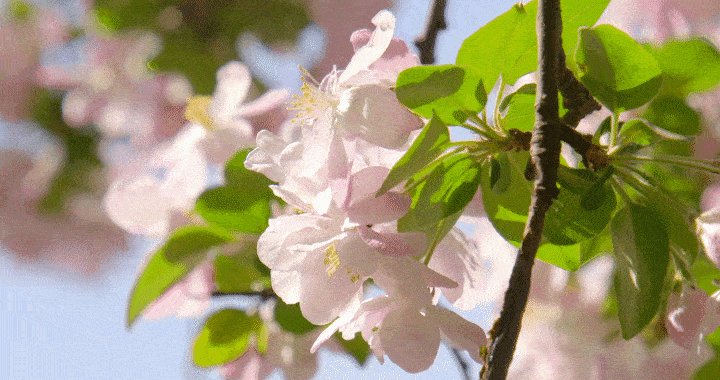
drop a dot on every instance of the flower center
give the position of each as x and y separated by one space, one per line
312 103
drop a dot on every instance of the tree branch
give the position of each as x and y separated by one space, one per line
436 23
576 98
545 153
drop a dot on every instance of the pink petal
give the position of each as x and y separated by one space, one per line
463 334
685 315
410 339
373 113
391 244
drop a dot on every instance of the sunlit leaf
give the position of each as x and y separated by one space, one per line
450 92
507 45
429 145
182 252
616 69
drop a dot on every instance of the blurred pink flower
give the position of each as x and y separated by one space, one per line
80 239
22 42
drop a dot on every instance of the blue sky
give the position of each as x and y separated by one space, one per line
55 326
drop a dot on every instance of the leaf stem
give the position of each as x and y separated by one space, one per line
685 162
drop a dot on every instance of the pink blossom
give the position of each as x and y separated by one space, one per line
409 336
77 239
23 41
691 316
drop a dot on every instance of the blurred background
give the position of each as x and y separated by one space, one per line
90 89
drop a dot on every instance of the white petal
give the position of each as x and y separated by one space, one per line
135 205
374 49
233 83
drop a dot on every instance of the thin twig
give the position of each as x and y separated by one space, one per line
436 23
545 153
263 294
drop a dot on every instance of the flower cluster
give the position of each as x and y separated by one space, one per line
328 164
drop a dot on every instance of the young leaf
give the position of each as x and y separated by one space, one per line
567 221
506 206
673 114
450 92
238 206
642 254
429 145
688 66
243 210
507 45
185 248
618 71
225 337
448 189
598 245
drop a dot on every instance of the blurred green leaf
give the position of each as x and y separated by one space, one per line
691 65
290 318
225 337
81 158
240 272
673 114
356 347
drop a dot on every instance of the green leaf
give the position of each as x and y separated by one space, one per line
357 347
674 115
429 145
688 66
225 337
520 114
448 189
642 253
567 221
617 70
238 176
711 368
507 45
507 206
244 210
637 131
598 245
290 318
184 250
240 272
705 273
450 92
243 203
